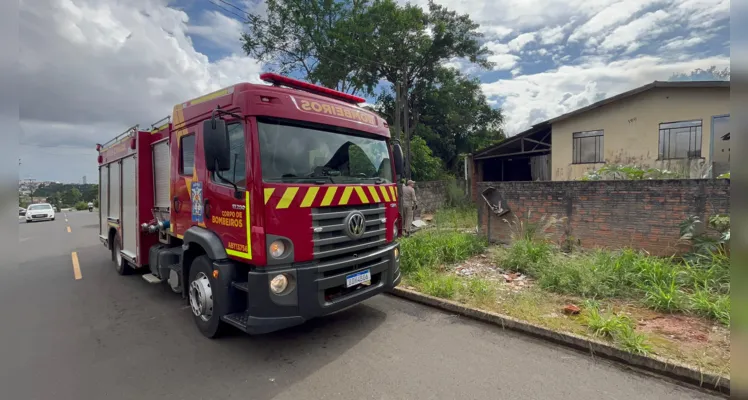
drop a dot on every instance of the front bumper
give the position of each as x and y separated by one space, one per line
320 289
45 217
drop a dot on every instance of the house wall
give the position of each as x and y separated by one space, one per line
643 214
631 129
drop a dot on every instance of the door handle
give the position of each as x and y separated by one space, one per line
206 208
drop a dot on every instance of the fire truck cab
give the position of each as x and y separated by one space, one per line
262 205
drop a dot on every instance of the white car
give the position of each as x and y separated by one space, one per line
40 212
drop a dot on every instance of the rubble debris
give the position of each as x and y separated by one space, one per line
571 309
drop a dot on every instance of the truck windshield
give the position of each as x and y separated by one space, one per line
297 154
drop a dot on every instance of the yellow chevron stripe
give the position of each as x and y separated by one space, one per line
309 197
374 194
287 198
346 195
384 193
329 195
268 193
361 194
393 192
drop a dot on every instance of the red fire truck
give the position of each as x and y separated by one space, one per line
263 205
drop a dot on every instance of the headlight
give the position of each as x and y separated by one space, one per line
394 230
278 284
277 248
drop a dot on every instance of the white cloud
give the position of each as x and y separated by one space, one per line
552 35
681 43
503 61
91 68
628 36
521 41
223 31
491 32
529 99
613 15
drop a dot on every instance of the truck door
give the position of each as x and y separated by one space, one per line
183 151
225 214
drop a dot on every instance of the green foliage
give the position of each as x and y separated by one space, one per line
478 290
424 166
663 284
352 45
710 242
66 194
698 74
81 205
451 113
526 256
456 197
533 231
630 172
464 217
619 328
430 249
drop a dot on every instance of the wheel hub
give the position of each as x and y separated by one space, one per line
201 297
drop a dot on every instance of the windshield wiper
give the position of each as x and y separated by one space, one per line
319 180
377 180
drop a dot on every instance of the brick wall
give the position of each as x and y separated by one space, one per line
611 214
431 195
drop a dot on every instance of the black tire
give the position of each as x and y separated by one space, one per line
120 264
213 327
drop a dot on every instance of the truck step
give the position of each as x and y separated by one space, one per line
238 320
150 278
241 286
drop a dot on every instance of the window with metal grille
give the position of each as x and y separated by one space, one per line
588 147
680 140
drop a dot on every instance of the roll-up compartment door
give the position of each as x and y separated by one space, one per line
129 208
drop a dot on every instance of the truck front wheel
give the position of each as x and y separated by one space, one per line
204 298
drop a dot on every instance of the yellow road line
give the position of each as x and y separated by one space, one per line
76 267
68 229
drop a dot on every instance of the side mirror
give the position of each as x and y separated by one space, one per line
216 145
397 153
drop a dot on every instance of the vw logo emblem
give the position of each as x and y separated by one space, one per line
355 225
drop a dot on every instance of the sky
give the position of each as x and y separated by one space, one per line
90 69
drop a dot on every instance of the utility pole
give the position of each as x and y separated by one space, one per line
406 120
397 110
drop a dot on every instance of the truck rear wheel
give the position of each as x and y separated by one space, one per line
120 264
204 301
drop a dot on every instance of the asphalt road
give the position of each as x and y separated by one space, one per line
107 336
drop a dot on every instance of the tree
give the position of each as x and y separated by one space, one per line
709 74
71 196
354 44
424 166
453 115
298 35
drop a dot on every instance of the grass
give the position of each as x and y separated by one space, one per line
614 288
619 328
662 284
432 249
456 218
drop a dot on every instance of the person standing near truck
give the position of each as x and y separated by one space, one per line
410 204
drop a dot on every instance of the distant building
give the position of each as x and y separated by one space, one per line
679 126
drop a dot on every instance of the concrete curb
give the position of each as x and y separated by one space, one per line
658 365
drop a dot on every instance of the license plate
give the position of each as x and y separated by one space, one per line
358 278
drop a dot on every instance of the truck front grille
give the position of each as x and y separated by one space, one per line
330 239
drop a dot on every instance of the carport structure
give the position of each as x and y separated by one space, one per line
522 157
